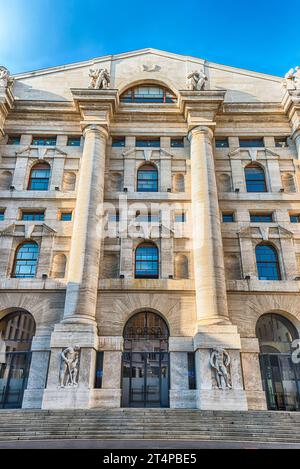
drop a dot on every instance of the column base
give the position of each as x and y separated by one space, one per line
219 399
218 354
106 398
183 399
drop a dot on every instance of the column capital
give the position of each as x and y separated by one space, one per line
201 129
96 129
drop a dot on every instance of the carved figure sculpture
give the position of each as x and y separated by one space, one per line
197 81
99 79
5 79
292 78
69 367
220 361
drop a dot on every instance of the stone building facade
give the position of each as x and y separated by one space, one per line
149 235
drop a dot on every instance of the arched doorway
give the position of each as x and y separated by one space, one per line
145 370
281 377
16 332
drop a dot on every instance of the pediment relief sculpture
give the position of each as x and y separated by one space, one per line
99 79
197 80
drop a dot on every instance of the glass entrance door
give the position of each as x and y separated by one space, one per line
146 379
145 374
281 381
13 379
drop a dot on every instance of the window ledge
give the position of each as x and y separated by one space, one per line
270 286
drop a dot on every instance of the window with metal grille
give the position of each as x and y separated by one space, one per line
267 262
255 178
39 177
147 179
26 260
146 261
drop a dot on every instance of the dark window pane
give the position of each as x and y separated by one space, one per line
14 140
2 215
118 142
255 179
147 142
99 370
146 261
191 370
29 216
295 218
251 142
26 261
66 216
44 141
147 179
261 217
281 142
74 141
267 262
222 143
148 94
177 142
180 217
228 217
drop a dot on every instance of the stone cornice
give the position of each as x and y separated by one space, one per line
95 106
200 107
6 104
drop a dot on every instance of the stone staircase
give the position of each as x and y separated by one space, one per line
150 424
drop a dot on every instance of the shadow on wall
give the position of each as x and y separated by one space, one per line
23 91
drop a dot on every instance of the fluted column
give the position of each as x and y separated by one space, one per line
211 300
83 270
296 138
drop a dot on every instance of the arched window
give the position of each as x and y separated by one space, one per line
146 261
26 260
255 178
17 330
267 262
148 94
39 177
279 371
147 179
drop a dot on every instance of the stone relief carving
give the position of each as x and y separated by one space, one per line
292 79
69 367
150 68
99 79
6 80
197 80
220 361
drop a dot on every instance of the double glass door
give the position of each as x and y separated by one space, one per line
14 369
145 379
281 378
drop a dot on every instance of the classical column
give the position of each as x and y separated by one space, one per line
296 138
83 270
211 300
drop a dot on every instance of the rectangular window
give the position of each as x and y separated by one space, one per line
66 216
114 217
44 141
191 370
251 142
177 142
118 142
147 142
295 218
180 217
99 370
222 142
147 217
2 214
261 217
228 217
14 140
74 141
281 142
33 216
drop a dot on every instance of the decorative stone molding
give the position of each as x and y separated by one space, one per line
220 362
41 153
69 367
99 79
28 231
150 68
266 233
197 80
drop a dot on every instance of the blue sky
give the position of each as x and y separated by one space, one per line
260 35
